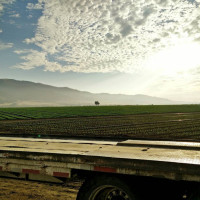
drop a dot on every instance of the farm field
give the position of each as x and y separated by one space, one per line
88 111
168 126
144 122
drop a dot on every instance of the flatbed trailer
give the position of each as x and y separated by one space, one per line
111 169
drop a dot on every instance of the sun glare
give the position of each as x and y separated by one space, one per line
178 58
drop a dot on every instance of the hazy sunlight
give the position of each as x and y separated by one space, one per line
179 58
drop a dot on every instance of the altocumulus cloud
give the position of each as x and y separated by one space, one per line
3 3
107 35
5 45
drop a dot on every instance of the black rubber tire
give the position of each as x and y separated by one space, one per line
92 184
195 194
194 197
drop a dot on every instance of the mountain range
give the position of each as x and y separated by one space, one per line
14 93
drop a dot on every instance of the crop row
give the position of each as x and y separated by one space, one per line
173 129
101 123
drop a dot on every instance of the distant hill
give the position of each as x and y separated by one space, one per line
15 93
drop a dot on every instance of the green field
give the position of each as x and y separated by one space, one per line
177 122
81 111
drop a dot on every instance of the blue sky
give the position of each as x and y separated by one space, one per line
130 47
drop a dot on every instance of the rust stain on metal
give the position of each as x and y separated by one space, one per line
30 171
61 174
4 155
105 169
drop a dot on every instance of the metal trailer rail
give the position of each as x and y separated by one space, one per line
178 161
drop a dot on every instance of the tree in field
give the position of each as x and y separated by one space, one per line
96 103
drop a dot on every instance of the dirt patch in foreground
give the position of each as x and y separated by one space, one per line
30 190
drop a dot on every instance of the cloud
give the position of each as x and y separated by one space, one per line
30 16
15 15
36 6
106 36
32 59
4 46
3 3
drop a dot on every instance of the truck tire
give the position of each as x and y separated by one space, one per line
195 195
106 188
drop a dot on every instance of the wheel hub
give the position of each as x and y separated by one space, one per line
117 194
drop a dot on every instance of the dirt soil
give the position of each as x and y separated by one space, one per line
12 189
169 126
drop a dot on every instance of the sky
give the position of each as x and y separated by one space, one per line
149 47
